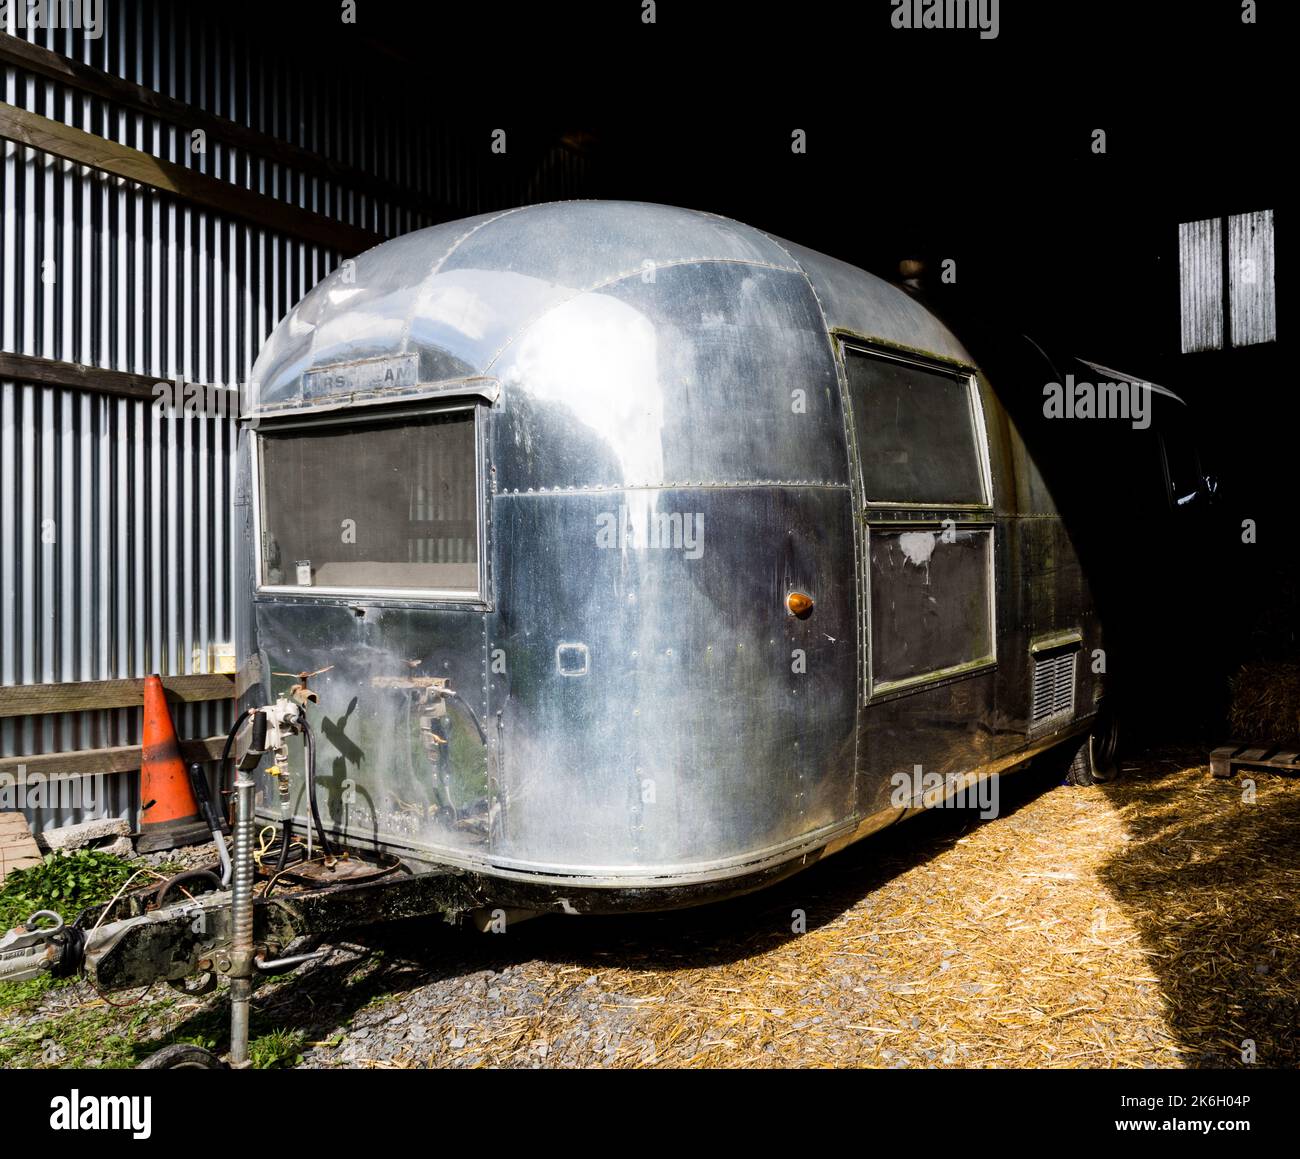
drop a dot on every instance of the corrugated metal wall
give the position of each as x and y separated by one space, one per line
1252 300
1252 294
1200 267
115 536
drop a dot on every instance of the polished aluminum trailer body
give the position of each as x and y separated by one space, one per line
674 421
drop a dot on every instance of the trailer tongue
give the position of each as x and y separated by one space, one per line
191 944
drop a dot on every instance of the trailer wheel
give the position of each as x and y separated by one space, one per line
1093 761
182 1056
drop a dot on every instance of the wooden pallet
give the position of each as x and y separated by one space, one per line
1277 757
17 846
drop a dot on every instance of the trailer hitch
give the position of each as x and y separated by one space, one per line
34 948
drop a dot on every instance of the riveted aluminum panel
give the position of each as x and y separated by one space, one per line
869 307
713 372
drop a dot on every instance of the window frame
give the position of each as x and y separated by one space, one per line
905 515
952 370
884 689
462 597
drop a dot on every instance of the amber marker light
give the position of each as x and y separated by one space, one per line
799 605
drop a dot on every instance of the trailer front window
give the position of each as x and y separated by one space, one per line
371 507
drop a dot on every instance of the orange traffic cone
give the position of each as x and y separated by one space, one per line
169 815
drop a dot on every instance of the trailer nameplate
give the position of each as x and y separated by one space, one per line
364 375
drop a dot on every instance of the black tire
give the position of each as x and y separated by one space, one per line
182 1056
1093 760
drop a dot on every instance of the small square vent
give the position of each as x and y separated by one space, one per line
1052 696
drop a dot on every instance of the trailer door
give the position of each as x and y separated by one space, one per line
927 558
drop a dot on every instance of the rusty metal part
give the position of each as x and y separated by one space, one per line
194 937
160 894
421 682
195 986
344 870
301 693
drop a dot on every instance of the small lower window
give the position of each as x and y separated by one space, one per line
371 506
931 603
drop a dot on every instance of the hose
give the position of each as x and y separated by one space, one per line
230 736
286 833
482 736
216 822
225 754
310 738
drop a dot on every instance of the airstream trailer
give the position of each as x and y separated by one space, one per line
632 553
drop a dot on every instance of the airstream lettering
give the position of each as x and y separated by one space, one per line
528 438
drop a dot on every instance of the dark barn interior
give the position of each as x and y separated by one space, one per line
1080 253
1060 252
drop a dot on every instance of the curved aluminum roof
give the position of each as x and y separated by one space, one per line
457 296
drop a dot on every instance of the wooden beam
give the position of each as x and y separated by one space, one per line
96 379
89 695
87 762
41 61
188 184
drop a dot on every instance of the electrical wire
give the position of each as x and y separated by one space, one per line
268 846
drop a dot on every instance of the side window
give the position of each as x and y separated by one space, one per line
929 575
916 432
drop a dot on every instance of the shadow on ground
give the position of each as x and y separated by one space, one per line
394 958
1212 883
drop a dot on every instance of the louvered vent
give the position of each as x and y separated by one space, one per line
1053 692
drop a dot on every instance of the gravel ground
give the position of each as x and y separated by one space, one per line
944 942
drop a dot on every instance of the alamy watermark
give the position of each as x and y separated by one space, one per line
87 16
980 14
203 400
77 1112
644 529
954 791
34 790
1099 400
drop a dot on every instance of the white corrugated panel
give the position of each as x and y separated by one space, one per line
1200 269
1252 299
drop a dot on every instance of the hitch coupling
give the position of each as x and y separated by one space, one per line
42 944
